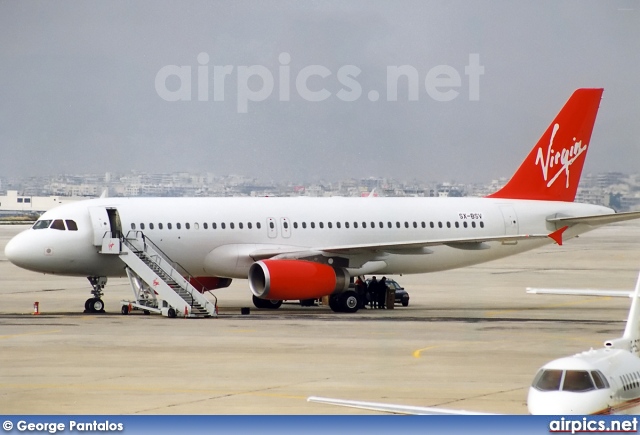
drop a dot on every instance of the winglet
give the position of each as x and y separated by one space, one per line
556 236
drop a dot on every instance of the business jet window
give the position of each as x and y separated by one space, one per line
71 225
548 380
577 380
58 225
39 225
600 380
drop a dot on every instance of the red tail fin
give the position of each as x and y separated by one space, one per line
552 169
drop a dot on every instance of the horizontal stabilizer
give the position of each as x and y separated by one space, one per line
579 292
597 219
390 408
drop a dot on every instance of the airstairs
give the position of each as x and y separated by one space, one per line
157 284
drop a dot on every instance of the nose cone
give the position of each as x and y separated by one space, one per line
20 252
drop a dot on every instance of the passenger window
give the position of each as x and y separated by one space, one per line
457 224
329 225
222 225
258 226
58 225
481 224
321 225
240 225
271 225
423 224
439 224
313 224
548 380
196 226
415 225
355 225
464 224
160 225
71 225
151 226
380 224
133 226
178 226
142 226
364 225
169 225
232 225
338 224
406 224
473 224
249 225
205 225
187 226
431 224
346 224
397 224
577 380
448 224
214 226
304 225
389 224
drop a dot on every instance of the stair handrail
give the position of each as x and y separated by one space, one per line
158 252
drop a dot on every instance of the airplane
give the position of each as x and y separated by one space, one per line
306 248
594 382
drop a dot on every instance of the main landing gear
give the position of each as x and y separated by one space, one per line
345 302
95 304
266 303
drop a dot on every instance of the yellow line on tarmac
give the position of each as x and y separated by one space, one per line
4 337
564 304
416 353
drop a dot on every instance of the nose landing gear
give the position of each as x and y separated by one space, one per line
95 304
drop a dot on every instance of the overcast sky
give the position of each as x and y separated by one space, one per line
79 86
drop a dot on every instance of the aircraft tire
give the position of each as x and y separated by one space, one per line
87 305
334 304
349 302
171 313
266 303
96 305
307 302
125 310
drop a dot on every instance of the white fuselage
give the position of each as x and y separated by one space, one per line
620 394
248 225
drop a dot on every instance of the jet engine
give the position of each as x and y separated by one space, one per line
295 279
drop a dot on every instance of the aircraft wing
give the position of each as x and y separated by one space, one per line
596 219
579 292
390 408
411 247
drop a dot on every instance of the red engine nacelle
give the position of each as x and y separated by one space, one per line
295 279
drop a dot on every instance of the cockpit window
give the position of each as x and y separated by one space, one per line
548 380
577 380
58 225
39 225
600 380
71 225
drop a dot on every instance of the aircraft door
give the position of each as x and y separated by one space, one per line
100 222
114 222
272 230
285 227
510 220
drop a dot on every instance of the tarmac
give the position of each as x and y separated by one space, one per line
470 339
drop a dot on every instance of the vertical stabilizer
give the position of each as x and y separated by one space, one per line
630 340
552 169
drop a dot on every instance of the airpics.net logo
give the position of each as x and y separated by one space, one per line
257 83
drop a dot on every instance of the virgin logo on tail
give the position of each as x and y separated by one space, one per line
566 157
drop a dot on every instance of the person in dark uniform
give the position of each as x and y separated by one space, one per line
382 292
373 292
